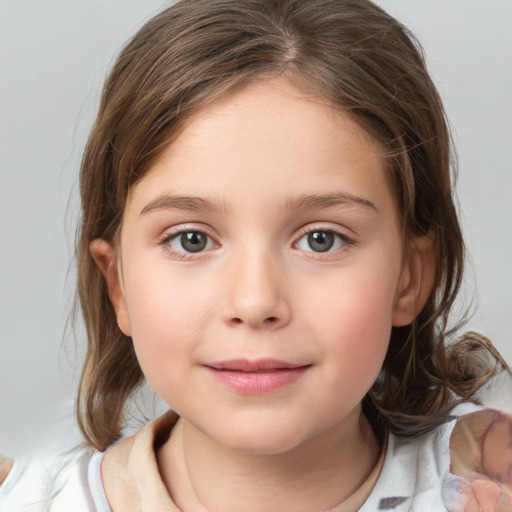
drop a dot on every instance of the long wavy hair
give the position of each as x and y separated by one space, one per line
363 62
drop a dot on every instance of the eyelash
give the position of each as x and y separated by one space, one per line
339 236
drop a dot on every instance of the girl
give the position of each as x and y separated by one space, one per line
269 238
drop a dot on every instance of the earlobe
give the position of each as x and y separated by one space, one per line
104 257
416 282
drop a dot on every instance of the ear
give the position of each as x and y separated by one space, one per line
416 281
104 256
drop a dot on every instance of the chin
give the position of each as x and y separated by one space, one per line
260 439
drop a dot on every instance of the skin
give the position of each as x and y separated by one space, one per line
260 290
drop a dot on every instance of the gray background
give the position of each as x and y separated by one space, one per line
53 57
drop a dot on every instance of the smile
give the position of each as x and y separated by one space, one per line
255 377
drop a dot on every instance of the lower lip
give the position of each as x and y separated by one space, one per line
257 383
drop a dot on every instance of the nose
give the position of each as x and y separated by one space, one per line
256 293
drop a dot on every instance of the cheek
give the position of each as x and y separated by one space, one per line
353 302
168 312
354 319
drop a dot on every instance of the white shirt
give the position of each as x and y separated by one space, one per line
415 476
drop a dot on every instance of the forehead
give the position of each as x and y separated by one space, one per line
267 138
263 108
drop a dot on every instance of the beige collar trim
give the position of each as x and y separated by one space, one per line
130 473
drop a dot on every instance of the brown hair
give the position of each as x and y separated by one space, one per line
362 61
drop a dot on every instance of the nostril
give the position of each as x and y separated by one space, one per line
270 320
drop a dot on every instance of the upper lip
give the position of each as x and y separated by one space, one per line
258 365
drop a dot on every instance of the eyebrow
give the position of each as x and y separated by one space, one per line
302 202
184 203
325 201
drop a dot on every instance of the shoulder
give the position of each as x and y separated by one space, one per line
415 469
58 484
460 466
472 458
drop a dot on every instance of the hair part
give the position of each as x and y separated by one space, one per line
347 52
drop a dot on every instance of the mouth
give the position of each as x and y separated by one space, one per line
256 377
257 366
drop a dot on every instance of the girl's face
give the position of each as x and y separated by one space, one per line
261 269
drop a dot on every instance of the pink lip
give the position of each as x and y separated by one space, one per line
255 377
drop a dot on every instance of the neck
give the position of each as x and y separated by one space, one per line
321 473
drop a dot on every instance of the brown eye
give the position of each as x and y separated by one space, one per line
193 241
321 241
189 242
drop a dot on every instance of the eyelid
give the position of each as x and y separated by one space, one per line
186 227
346 233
